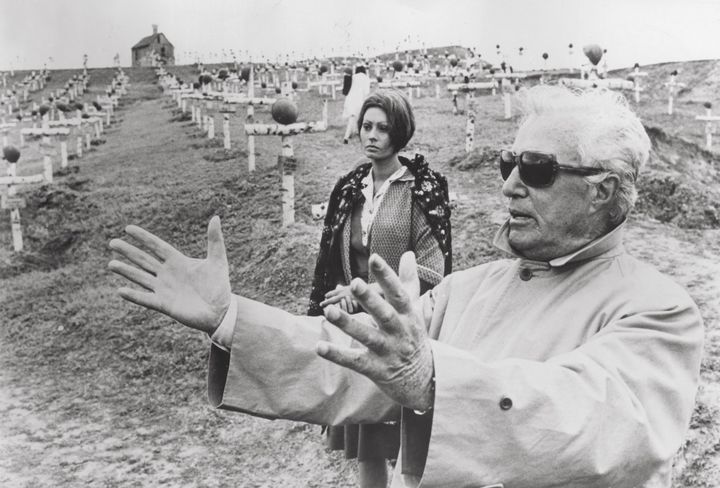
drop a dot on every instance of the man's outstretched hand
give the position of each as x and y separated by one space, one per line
398 357
195 292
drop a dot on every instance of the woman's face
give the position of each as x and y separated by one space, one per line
375 134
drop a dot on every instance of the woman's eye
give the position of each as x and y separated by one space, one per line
367 127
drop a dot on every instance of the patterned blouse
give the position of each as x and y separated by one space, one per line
414 216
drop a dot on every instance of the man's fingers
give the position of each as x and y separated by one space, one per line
136 256
331 300
408 275
216 243
334 293
355 359
137 276
160 248
366 335
383 313
142 298
390 283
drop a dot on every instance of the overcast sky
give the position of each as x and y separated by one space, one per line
59 32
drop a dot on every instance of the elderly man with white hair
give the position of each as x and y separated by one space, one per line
571 364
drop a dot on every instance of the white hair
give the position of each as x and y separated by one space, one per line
602 129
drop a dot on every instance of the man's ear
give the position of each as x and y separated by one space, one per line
605 191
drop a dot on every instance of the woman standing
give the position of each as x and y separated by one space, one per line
388 205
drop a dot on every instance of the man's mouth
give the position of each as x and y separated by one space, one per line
517 215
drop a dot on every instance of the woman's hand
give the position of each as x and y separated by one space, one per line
195 292
343 298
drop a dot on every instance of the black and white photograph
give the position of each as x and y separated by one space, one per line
360 244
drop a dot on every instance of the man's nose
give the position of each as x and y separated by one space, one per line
513 186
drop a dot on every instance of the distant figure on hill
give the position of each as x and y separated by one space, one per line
571 364
386 206
359 90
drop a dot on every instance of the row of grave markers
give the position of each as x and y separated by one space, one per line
50 128
287 163
286 160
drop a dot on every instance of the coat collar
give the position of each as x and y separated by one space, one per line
610 241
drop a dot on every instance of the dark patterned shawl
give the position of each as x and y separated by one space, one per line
430 192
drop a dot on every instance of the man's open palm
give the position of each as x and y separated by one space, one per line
195 292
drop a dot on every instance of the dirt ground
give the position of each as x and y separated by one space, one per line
97 392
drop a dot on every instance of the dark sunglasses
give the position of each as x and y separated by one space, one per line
537 169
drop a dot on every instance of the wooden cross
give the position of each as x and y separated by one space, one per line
286 160
326 83
62 133
14 203
468 89
5 128
709 120
672 85
635 77
409 84
251 101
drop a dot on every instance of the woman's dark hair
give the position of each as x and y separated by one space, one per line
360 69
399 113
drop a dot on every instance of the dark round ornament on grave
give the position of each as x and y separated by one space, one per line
63 107
196 86
284 111
43 109
466 79
245 73
674 72
379 79
278 90
78 106
707 105
263 84
85 116
348 71
594 53
453 62
410 64
570 45
545 55
206 79
294 85
11 154
398 66
497 46
51 99
323 68
97 106
636 65
34 113
437 73
492 71
223 74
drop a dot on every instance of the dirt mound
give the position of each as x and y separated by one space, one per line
54 223
224 155
680 183
477 158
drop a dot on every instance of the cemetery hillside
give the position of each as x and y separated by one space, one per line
95 391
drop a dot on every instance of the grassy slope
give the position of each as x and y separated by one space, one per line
98 392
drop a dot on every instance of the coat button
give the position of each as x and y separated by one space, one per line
526 274
505 403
